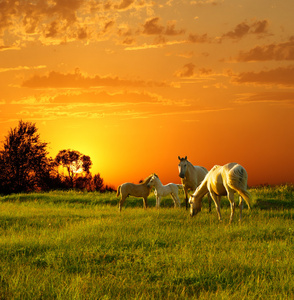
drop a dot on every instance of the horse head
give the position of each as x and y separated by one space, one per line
152 179
195 205
182 166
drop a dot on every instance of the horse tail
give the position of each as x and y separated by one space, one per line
118 191
237 180
246 196
237 177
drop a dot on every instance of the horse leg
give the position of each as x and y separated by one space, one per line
241 205
145 202
209 202
174 199
121 202
230 194
158 201
178 199
216 200
186 197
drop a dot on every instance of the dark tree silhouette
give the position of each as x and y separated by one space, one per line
74 162
25 167
98 182
23 162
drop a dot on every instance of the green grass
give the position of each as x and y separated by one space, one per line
70 245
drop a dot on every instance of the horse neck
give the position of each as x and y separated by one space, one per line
146 181
157 183
189 171
202 189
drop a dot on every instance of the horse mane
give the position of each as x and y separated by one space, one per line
146 180
203 184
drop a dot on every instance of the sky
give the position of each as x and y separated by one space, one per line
136 83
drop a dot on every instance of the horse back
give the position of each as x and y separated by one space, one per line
136 190
236 175
215 181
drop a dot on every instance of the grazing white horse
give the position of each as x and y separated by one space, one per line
222 181
191 177
164 190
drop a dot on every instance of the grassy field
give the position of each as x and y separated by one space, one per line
70 245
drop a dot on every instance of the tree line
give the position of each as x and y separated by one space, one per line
25 165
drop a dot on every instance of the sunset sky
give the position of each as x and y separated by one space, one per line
135 84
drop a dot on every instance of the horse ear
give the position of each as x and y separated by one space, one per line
185 157
179 158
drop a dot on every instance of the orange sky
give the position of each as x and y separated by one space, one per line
134 84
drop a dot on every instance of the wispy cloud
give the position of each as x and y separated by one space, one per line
97 105
79 80
190 72
280 51
207 2
153 27
270 97
243 29
280 76
159 44
20 68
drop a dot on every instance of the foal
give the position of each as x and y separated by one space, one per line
136 190
164 190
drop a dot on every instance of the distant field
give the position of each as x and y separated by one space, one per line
71 245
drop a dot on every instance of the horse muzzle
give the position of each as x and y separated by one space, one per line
193 211
182 175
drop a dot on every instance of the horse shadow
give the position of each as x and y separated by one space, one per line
272 204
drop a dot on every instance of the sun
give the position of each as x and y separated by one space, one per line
76 167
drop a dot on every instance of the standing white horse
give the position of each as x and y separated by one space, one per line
164 190
191 177
221 181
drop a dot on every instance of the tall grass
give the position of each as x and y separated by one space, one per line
69 245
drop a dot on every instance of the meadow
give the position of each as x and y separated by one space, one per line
75 245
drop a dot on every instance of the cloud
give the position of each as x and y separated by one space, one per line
30 20
152 27
19 68
56 22
277 97
186 71
282 51
94 105
280 76
157 44
5 48
195 38
189 72
94 98
78 80
243 29
124 4
205 2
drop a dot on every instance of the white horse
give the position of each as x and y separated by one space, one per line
221 181
191 177
164 190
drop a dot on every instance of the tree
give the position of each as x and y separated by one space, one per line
74 162
23 161
98 182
